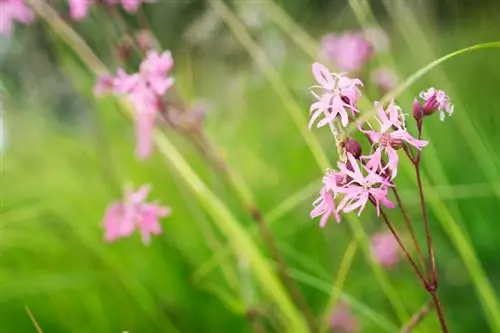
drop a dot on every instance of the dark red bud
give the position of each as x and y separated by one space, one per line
353 147
418 112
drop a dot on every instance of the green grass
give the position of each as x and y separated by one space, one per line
210 266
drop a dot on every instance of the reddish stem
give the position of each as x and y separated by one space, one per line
403 248
439 311
410 229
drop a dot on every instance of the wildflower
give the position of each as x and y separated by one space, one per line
338 93
357 189
325 206
123 217
155 69
391 136
348 51
144 90
384 78
78 9
343 320
436 100
11 11
104 84
385 249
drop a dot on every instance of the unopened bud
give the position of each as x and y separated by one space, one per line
353 147
418 113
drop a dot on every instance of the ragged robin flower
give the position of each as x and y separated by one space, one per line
337 93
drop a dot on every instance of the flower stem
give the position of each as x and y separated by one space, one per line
411 230
403 248
439 311
428 237
430 249
245 196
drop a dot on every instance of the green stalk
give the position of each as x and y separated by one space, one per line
221 215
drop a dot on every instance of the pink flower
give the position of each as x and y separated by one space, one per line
105 84
123 217
343 320
144 90
11 11
390 137
384 78
385 248
130 6
325 206
436 100
156 68
348 51
338 93
357 189
78 9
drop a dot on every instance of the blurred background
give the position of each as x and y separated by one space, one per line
66 154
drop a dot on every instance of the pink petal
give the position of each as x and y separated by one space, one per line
78 8
323 76
393 161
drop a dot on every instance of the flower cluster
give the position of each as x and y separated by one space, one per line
362 178
123 217
144 90
78 9
12 11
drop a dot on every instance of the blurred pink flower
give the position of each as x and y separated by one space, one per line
105 84
358 188
144 90
349 51
11 11
384 78
385 248
343 320
389 138
155 69
123 217
78 9
436 100
338 92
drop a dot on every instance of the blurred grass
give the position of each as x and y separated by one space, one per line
57 179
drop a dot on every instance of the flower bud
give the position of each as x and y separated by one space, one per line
418 113
353 147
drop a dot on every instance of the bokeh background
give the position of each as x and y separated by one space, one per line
66 155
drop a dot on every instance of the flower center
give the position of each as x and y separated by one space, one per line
385 140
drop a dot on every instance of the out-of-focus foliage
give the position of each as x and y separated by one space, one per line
67 155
